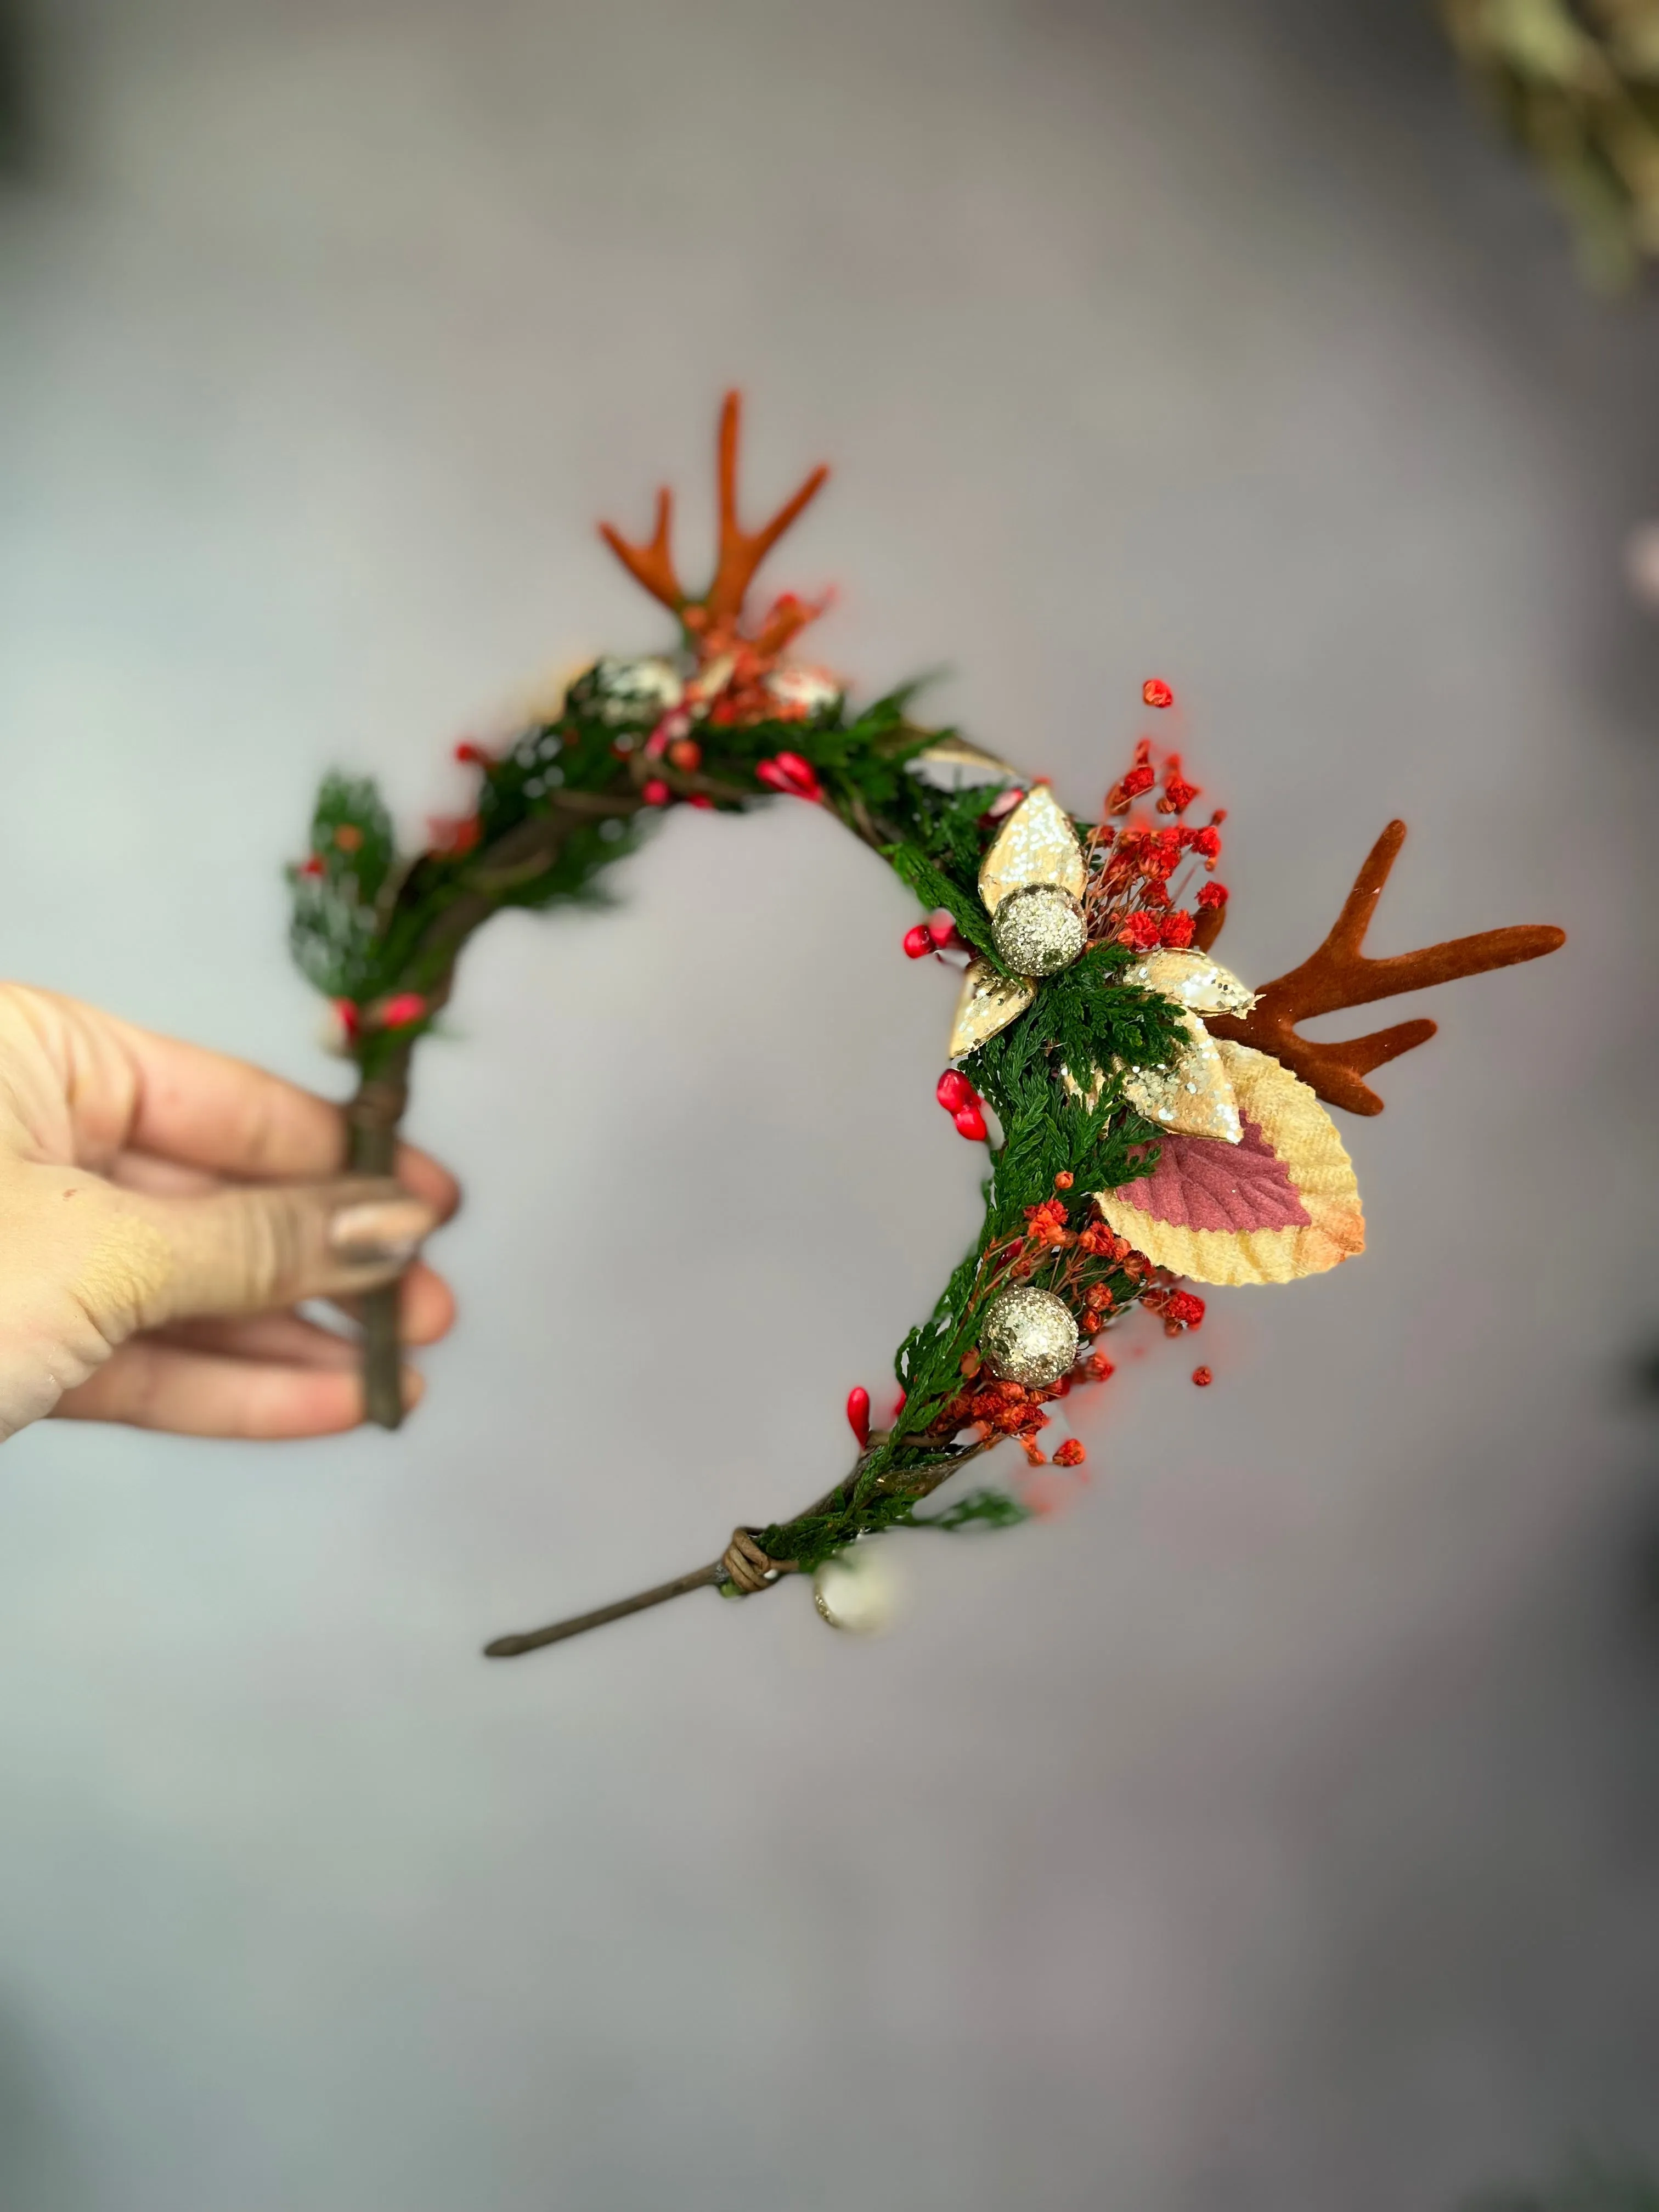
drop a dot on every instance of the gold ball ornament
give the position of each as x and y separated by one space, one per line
1030 1336
1038 930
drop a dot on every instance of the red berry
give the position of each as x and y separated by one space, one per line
1203 1377
351 1019
471 756
941 932
799 775
858 1414
701 798
311 865
953 1091
400 1011
1155 692
655 793
970 1122
918 944
903 1400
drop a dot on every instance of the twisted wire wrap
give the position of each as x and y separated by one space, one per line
747 1566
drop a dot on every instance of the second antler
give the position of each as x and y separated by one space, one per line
1341 974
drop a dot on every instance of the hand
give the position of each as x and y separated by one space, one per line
161 1207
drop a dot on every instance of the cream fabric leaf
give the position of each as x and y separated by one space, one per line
1283 1204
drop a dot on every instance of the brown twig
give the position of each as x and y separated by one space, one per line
743 1563
375 1115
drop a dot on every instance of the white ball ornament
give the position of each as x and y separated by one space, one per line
856 1591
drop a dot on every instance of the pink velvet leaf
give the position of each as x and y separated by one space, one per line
1199 1182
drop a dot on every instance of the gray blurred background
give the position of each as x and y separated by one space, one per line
1277 1831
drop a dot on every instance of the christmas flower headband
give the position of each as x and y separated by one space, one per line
1150 1121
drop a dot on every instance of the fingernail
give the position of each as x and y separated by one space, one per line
385 1232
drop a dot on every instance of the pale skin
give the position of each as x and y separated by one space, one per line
164 1210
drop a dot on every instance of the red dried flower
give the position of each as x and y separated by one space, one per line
1155 692
1203 1377
1065 1179
1213 895
1070 1453
1207 844
1141 931
1177 930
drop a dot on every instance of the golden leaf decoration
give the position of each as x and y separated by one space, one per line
988 1003
1035 845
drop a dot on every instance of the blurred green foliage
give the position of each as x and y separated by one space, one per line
1576 83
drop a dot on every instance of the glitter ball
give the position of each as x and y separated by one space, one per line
1030 1336
1038 931
635 691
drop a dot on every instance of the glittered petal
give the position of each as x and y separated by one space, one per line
988 1003
1192 980
952 764
1035 845
1193 1098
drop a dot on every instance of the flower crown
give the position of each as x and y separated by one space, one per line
1150 1121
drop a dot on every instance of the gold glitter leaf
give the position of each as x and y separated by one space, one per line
988 1003
954 765
1035 845
1192 980
1193 1098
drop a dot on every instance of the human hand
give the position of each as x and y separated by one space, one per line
162 1210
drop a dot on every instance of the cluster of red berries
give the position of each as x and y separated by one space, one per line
938 934
963 1103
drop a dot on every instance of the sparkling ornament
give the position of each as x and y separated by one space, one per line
988 1003
1029 1336
856 1591
637 690
1038 930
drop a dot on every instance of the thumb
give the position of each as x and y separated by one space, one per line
241 1251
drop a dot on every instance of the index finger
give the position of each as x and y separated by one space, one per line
209 1111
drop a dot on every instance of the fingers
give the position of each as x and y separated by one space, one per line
426 1306
245 1251
426 1313
127 1089
151 1384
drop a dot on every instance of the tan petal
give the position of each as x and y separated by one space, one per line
1035 845
1193 1098
988 1003
1193 980
953 764
1305 1137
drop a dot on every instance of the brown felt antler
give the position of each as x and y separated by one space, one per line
1340 974
740 551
